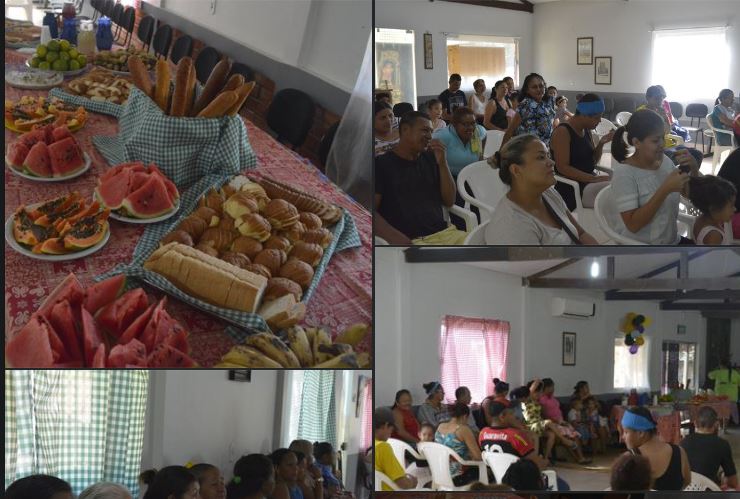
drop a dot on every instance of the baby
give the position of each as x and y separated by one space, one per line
714 197
426 433
561 110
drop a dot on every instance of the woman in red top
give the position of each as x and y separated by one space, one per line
406 426
500 391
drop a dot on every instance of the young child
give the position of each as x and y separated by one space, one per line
723 115
715 198
434 109
594 420
561 111
577 421
513 103
426 433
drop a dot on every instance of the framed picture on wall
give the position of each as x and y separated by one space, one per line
680 329
603 70
585 51
569 349
428 53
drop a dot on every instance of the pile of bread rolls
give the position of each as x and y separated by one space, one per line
261 249
222 95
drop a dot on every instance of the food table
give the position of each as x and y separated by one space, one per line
668 419
725 410
344 296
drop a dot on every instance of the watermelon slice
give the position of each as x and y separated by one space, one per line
166 356
137 180
99 357
119 315
171 187
113 190
136 166
32 137
70 364
66 157
17 152
30 347
149 335
170 332
150 200
38 160
62 319
91 339
60 133
137 327
69 289
132 353
103 293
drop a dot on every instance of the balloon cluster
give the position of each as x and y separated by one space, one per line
633 327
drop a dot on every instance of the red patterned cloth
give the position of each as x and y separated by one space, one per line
343 298
669 425
725 409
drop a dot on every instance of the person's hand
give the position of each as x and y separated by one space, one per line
686 160
439 150
315 471
606 138
675 182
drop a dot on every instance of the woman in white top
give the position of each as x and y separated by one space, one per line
477 101
714 197
646 185
532 212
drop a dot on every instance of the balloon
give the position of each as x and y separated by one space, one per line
639 319
629 340
640 341
647 322
636 333
633 349
641 329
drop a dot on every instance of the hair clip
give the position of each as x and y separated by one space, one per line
189 464
237 480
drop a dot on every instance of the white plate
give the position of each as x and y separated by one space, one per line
29 48
65 73
131 220
119 73
76 174
14 78
49 258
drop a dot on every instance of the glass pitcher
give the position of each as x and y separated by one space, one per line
86 39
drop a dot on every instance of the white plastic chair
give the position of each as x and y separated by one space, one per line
718 149
486 186
382 478
623 117
471 221
499 461
699 482
379 241
477 236
400 448
493 142
438 456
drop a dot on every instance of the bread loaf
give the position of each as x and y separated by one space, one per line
162 89
182 98
219 106
213 86
140 75
242 93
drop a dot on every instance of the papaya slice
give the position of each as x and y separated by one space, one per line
53 246
85 235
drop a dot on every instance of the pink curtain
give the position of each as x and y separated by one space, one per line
366 421
472 352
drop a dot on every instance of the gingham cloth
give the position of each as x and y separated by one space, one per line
317 416
345 236
81 426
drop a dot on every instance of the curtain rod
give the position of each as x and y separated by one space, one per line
445 33
690 27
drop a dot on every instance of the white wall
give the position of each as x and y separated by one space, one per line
325 37
437 17
622 30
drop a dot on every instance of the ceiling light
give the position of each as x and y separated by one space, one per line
595 269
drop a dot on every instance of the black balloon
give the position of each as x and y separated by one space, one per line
629 340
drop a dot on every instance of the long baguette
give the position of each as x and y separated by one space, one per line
140 75
243 92
213 86
182 97
162 89
234 82
220 105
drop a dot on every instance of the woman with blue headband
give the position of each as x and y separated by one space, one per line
669 464
433 411
575 154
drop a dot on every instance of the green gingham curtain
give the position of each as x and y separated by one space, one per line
317 419
81 426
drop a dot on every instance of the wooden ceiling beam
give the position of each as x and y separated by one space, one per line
522 6
709 307
635 284
698 294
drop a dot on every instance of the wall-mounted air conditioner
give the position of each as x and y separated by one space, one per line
576 309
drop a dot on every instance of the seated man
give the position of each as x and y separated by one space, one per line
707 452
385 460
412 183
462 396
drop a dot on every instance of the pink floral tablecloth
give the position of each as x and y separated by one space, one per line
669 423
343 298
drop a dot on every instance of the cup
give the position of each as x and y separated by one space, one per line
45 35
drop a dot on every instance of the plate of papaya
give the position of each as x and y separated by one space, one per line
30 112
63 228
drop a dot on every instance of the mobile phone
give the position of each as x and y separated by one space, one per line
684 168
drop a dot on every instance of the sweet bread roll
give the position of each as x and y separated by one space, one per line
280 286
213 199
253 225
281 214
278 242
218 238
208 214
310 253
256 192
258 269
239 204
227 191
247 246
238 259
178 236
295 233
195 226
322 237
297 271
310 220
273 259
207 249
227 222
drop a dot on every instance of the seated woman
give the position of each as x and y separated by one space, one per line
433 411
211 481
109 490
730 170
630 472
309 479
535 113
457 435
669 464
286 475
576 156
326 459
406 426
551 408
495 117
464 140
500 390
646 185
715 198
254 477
39 487
171 482
532 212
723 116
385 135
477 100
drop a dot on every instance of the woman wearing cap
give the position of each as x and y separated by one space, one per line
668 462
575 154
433 411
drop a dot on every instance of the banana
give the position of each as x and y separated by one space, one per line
311 335
298 342
348 360
274 348
228 365
322 338
335 349
364 360
353 335
245 356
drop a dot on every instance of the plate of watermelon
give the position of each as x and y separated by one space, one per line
60 229
137 194
100 326
47 154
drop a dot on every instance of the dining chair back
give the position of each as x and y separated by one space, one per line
162 40
205 62
183 47
290 116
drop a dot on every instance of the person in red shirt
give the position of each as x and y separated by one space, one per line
503 432
406 426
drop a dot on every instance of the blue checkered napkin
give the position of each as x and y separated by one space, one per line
89 105
185 149
345 236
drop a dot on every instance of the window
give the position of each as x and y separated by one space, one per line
708 45
488 57
311 407
366 421
472 352
678 366
631 370
394 63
